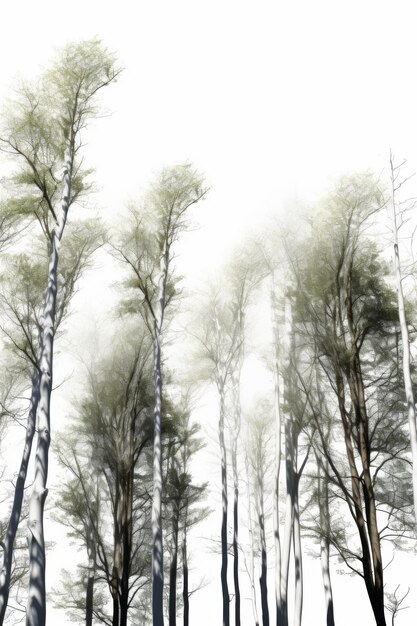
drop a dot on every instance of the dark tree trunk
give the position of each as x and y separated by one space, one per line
89 595
264 565
185 593
236 553
173 569
224 545
127 544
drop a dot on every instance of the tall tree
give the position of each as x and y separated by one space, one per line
21 300
111 435
45 136
148 250
259 437
349 311
398 220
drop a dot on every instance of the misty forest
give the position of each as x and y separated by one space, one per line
259 422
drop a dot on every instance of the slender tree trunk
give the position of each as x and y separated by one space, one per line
237 411
157 540
405 340
173 568
89 596
236 551
224 545
157 549
116 608
277 538
36 607
264 566
117 549
251 549
289 522
185 592
127 545
298 560
14 519
323 495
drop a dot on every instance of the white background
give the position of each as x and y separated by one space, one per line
271 100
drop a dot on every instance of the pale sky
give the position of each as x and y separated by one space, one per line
272 100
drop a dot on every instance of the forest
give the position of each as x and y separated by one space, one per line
301 348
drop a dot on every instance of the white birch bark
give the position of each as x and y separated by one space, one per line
405 340
298 561
278 426
36 606
323 492
251 570
14 519
157 545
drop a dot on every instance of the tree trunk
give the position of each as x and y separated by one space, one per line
89 596
127 544
288 528
405 340
264 567
277 538
237 411
157 549
14 519
185 593
36 606
224 545
298 560
323 496
173 569
157 540
251 549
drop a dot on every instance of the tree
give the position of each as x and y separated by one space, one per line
113 433
44 135
346 308
398 220
259 437
183 498
21 300
148 250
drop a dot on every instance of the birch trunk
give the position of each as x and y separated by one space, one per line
251 549
323 494
36 606
14 519
157 545
405 340
289 522
224 546
298 559
277 406
236 387
157 549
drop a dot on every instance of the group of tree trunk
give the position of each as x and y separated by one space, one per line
341 362
330 448
113 490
